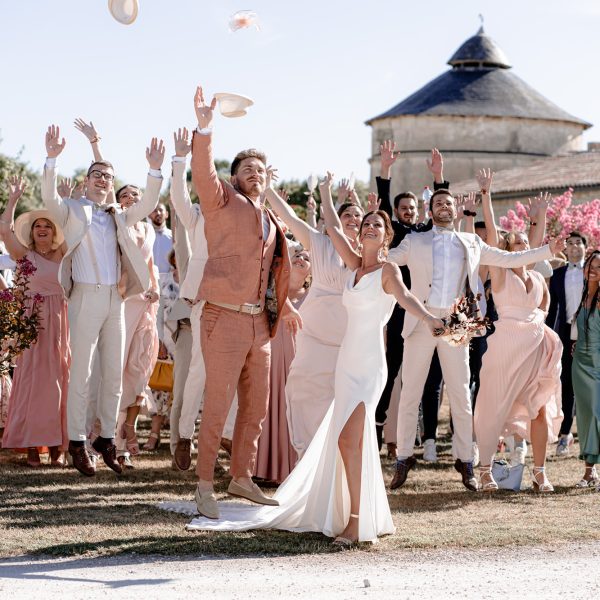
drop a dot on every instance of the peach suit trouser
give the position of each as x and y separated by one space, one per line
237 354
419 347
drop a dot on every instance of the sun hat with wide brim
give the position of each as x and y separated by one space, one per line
25 222
233 105
124 11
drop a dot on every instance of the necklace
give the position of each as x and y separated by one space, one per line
44 253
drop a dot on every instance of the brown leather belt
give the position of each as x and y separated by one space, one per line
247 309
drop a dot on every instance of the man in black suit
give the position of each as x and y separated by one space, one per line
406 212
566 287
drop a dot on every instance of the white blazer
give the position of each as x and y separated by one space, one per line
75 218
192 219
416 252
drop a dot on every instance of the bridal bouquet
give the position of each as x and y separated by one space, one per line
19 316
463 323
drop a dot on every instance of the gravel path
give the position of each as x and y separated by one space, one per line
558 572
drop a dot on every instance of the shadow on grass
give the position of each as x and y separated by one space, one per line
256 543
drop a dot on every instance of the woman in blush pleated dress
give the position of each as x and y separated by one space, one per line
520 390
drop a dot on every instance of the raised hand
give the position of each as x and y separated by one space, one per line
327 182
538 205
471 202
283 194
484 179
459 202
65 188
343 191
373 202
436 165
272 176
388 158
16 188
78 191
53 144
182 143
311 205
155 154
87 129
556 245
204 113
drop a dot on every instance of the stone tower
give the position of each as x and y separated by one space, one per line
479 114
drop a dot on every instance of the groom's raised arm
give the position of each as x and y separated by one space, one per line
510 260
204 174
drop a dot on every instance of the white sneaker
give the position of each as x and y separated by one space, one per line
562 449
475 454
429 451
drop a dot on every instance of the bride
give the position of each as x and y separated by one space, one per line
337 487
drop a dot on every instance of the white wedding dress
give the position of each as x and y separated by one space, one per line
315 497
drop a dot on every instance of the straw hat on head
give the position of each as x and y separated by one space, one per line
124 11
25 222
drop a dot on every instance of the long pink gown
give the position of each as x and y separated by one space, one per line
276 456
37 410
520 372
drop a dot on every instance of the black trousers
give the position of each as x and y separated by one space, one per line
568 399
433 385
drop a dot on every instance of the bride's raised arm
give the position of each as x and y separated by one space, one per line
340 242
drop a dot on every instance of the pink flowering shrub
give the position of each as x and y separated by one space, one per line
563 217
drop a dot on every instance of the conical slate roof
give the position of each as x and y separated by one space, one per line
480 84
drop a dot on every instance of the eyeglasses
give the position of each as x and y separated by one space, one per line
101 175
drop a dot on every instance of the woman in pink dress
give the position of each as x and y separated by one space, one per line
141 340
37 408
520 391
276 456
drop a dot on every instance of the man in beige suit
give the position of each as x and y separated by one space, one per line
444 265
102 266
244 286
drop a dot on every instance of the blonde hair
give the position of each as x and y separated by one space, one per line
52 225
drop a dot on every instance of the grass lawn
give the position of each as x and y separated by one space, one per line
59 512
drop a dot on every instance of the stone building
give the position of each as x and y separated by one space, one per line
479 114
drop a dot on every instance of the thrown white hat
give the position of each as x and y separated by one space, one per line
124 11
233 105
25 222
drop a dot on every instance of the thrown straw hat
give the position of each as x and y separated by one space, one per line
25 222
233 105
124 11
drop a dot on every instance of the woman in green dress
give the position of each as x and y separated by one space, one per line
586 371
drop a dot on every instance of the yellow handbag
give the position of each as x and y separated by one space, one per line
162 376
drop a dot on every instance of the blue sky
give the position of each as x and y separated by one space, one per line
316 70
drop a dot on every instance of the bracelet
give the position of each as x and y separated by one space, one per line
532 223
469 213
95 140
483 191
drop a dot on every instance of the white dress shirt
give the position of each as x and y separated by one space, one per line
448 281
103 237
573 288
163 244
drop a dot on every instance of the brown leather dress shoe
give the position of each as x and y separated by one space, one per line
468 476
81 459
183 454
402 469
108 450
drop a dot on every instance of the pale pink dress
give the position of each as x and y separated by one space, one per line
276 456
520 372
141 336
38 402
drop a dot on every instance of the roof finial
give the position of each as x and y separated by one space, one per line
481 31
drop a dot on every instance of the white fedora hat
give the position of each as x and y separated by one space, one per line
233 105
24 223
124 11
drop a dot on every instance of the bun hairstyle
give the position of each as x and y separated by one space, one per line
389 230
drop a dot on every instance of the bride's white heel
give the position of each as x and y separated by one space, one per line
345 542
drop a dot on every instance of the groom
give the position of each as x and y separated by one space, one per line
444 265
